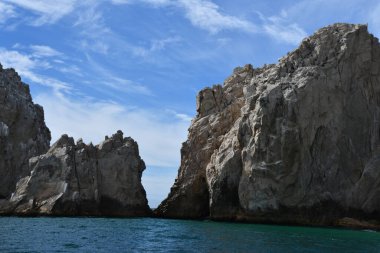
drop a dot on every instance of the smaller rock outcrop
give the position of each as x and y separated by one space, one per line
79 179
23 133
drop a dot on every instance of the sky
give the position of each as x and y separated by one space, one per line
97 66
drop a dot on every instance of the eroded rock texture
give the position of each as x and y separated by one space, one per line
23 133
80 179
293 142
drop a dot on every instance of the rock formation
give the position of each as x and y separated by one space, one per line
294 142
70 179
23 133
80 179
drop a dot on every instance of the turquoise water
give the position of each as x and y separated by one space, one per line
158 235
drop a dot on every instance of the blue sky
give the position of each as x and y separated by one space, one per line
97 66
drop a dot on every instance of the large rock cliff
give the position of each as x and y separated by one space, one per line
23 133
79 179
292 142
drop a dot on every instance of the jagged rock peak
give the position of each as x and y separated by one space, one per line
63 141
23 133
292 142
327 45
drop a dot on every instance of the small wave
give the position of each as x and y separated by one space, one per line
71 245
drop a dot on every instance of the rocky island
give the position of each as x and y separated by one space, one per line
297 142
68 178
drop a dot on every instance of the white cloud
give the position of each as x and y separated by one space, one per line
6 12
48 11
40 51
14 59
158 134
206 15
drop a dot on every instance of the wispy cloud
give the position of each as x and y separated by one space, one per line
112 80
159 44
90 24
94 45
207 15
155 45
281 29
6 12
47 12
181 116
126 85
27 67
117 2
204 14
90 20
40 51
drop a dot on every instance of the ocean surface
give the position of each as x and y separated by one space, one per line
159 235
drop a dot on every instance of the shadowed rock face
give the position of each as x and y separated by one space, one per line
293 142
23 133
80 179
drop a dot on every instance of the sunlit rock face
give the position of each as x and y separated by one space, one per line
80 179
292 142
23 133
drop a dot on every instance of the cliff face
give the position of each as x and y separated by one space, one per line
23 133
295 142
80 179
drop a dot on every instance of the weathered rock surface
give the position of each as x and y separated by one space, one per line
23 133
80 179
293 142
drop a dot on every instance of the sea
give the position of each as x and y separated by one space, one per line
162 235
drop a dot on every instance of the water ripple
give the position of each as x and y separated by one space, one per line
158 235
